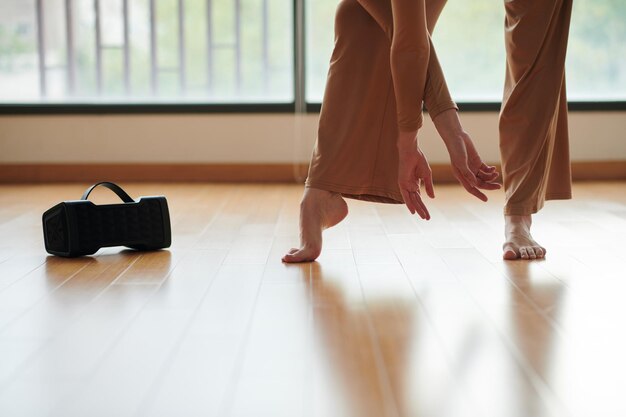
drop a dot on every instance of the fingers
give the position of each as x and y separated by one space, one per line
414 203
420 206
469 187
428 183
408 201
487 176
410 189
468 175
476 193
487 168
487 173
473 173
485 185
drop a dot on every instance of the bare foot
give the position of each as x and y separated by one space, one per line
519 243
319 210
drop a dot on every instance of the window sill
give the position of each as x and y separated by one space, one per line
225 108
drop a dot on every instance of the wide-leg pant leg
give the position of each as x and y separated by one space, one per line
358 113
355 152
534 142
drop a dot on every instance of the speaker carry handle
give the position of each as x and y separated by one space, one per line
111 186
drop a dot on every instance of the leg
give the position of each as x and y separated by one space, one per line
533 119
356 114
353 117
319 210
356 118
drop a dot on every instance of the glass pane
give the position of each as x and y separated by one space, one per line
280 45
167 33
84 49
111 13
596 58
196 47
243 54
168 83
320 22
112 73
19 72
140 69
469 39
470 44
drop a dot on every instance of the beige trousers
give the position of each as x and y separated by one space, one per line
355 153
534 143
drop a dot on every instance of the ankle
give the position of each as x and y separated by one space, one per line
526 219
517 223
316 194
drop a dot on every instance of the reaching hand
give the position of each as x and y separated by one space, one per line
468 167
413 169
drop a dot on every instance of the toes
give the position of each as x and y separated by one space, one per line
539 251
289 255
524 253
301 255
509 253
531 253
292 258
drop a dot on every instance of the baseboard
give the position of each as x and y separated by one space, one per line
155 172
150 172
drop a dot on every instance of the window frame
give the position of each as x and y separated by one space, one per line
298 105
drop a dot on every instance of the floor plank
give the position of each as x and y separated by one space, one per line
398 317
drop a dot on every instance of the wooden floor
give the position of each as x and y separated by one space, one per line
400 317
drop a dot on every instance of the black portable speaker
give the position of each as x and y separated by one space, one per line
80 227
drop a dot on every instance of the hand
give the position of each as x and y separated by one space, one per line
413 169
468 167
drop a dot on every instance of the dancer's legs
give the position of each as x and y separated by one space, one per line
358 115
355 153
533 120
358 110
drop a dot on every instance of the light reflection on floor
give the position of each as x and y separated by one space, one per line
397 317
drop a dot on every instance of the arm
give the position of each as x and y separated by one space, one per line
435 94
437 97
404 23
409 57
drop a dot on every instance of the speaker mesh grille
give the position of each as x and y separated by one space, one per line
56 231
110 226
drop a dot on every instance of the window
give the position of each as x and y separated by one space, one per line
470 44
242 51
139 50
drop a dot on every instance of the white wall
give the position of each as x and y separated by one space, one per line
246 138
